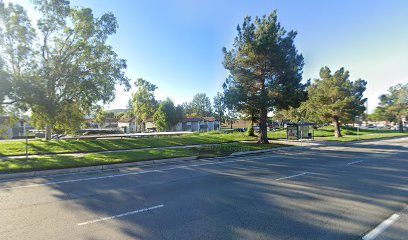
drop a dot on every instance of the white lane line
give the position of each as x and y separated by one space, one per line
297 175
381 228
351 163
120 175
120 215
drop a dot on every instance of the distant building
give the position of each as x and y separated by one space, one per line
190 124
109 123
128 125
19 129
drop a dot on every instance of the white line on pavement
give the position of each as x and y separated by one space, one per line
381 228
121 175
351 163
297 175
120 215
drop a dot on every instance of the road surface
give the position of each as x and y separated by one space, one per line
325 192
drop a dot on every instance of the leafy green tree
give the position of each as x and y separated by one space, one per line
130 109
239 96
167 115
144 102
394 105
291 114
265 69
335 98
201 105
120 115
219 107
101 117
187 109
64 64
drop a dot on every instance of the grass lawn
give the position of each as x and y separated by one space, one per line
372 136
72 146
349 134
59 162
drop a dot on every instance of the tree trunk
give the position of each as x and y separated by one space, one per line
231 122
400 126
263 128
337 130
48 132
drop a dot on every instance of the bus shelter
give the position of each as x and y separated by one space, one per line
299 131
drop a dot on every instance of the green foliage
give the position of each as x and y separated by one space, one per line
58 162
291 114
66 65
167 115
219 107
265 70
335 98
200 106
102 116
231 117
251 131
394 105
144 102
73 146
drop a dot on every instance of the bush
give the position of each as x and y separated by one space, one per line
251 131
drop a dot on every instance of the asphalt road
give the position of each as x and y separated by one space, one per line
326 192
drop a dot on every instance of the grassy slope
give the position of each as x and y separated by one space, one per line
72 146
59 162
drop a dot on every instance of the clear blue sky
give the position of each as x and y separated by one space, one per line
177 44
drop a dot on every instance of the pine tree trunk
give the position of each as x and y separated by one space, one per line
48 132
400 126
263 128
337 130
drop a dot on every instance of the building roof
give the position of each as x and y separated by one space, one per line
209 119
127 120
192 119
198 119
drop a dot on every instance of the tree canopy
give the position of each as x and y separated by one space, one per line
394 105
167 115
62 69
219 106
200 106
335 98
265 69
144 102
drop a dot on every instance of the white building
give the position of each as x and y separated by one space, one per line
128 125
17 129
189 124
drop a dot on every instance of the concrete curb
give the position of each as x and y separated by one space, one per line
98 168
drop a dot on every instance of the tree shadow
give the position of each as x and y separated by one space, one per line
240 200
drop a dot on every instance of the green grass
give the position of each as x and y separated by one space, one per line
72 146
349 134
372 136
92 159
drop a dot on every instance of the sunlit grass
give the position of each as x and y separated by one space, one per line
93 159
73 146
